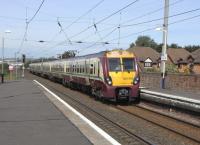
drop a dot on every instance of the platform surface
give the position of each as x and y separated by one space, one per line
183 94
27 117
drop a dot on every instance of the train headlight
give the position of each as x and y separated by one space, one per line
136 80
109 80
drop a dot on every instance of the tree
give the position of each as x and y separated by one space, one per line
192 48
158 47
174 45
132 45
69 54
145 41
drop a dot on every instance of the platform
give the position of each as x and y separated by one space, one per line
183 94
184 100
28 117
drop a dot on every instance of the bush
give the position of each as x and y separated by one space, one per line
5 66
171 68
153 69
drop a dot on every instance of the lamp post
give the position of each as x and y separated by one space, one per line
2 67
16 65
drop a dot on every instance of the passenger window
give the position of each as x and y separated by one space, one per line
94 69
98 69
91 68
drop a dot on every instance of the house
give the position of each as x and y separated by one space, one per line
181 58
147 57
196 56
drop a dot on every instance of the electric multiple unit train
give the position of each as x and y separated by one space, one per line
109 75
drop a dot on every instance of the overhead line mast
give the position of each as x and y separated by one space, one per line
164 48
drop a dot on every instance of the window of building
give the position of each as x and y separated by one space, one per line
147 64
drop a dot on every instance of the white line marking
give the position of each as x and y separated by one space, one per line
90 123
171 96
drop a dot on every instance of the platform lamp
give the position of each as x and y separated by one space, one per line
2 67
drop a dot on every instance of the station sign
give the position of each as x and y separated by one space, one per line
11 67
164 57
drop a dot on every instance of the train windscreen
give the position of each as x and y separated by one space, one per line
128 64
114 64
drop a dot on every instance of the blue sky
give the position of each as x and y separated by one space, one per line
44 26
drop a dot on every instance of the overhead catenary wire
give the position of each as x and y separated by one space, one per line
105 18
153 28
152 12
27 24
108 34
25 34
80 17
96 30
86 13
141 24
129 35
98 22
158 19
149 21
31 19
144 15
61 30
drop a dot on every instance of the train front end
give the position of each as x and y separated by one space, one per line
122 76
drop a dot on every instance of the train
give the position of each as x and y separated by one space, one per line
107 75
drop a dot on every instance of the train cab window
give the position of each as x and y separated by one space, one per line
91 68
128 64
114 64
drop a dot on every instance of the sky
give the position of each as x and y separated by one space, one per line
95 32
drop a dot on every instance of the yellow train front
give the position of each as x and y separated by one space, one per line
121 76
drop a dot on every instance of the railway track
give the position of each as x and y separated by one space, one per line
128 137
182 120
122 132
176 127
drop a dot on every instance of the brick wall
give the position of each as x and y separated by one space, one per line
173 81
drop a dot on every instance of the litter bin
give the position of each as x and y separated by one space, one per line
2 78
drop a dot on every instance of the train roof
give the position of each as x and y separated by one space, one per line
98 54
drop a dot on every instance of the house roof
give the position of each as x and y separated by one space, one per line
148 60
143 53
196 55
178 55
